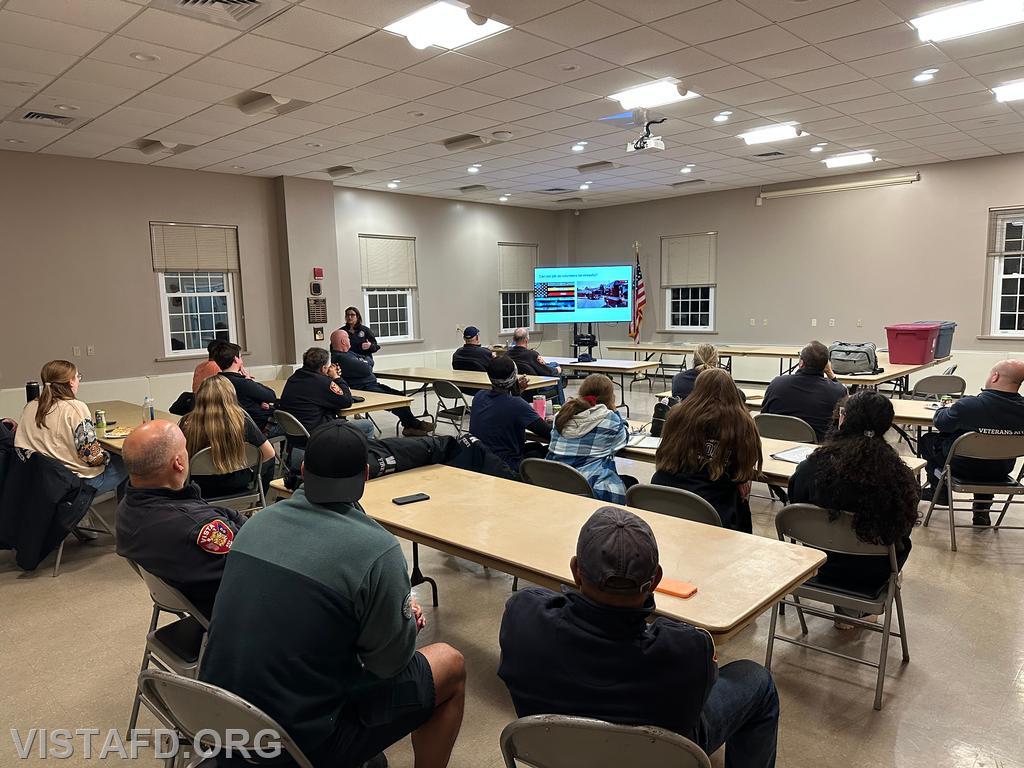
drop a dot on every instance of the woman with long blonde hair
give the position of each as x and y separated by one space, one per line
60 426
710 446
218 422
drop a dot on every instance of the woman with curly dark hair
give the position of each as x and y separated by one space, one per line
855 470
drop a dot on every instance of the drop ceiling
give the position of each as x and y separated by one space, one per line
128 72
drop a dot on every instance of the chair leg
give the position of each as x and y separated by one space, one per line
1002 514
515 583
903 625
883 655
134 718
771 636
935 497
60 554
952 523
800 615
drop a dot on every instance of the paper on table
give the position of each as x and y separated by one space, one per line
796 454
643 441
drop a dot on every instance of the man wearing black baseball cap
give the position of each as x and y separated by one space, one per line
592 652
471 356
315 623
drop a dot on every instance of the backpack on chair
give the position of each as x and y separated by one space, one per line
849 357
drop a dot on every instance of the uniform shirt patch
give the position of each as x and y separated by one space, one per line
216 537
407 606
336 389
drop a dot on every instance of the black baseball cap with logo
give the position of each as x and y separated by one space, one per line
334 467
470 332
617 552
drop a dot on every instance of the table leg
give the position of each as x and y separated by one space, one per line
622 386
416 577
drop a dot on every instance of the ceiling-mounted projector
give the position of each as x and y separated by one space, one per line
646 141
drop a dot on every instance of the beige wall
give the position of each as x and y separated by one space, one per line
885 255
456 257
75 264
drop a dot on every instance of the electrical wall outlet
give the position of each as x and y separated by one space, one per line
764 321
831 322
90 350
753 321
860 323
814 322
76 351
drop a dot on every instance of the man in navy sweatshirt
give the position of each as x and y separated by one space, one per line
997 409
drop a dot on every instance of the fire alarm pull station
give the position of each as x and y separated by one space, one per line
318 273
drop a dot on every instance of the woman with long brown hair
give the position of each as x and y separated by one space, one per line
710 446
588 432
218 422
363 341
59 425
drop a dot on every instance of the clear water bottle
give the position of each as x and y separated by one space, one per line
148 409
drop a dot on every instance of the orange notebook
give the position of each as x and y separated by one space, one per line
683 589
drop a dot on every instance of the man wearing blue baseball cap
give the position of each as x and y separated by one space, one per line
471 356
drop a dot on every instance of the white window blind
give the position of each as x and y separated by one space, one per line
387 262
515 266
194 247
689 260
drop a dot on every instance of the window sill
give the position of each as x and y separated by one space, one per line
400 341
989 337
680 330
196 356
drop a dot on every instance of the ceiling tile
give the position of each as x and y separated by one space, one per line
361 100
637 44
70 91
176 31
820 78
164 104
881 101
415 113
650 10
570 65
1010 58
104 73
104 15
781 107
183 87
891 113
508 110
46 34
755 44
241 76
783 10
266 53
118 50
721 79
557 97
300 88
513 48
790 62
322 113
921 57
31 60
510 83
679 64
842 21
878 41
313 29
846 92
748 94
712 22
387 50
980 45
460 99
405 86
454 68
927 93
518 11
379 13
578 24
343 72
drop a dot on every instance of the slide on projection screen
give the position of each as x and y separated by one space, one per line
583 294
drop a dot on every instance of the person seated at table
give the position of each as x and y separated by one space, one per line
705 356
855 470
809 393
361 338
255 399
997 409
471 356
316 392
217 422
358 372
587 434
315 623
59 425
499 417
163 523
207 368
710 447
530 362
592 653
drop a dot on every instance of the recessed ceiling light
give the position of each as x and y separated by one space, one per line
67 107
656 94
503 199
396 181
925 76
14 141
447 24
139 56
687 169
502 135
821 144
1009 91
579 146
473 169
968 19
817 149
844 161
392 185
570 67
584 186
769 133
313 144
415 113
722 117
238 167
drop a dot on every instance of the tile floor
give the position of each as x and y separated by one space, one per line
70 648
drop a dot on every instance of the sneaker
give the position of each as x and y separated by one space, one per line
414 432
981 519
427 426
377 761
84 535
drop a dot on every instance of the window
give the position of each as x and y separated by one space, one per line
389 313
388 266
688 268
196 266
1006 249
516 310
198 308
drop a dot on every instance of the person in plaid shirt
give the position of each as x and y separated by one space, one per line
588 431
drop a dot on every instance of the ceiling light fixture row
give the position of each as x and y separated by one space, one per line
772 133
445 24
656 94
845 161
968 19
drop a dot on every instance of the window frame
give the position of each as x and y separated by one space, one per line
230 293
410 294
710 328
501 312
998 274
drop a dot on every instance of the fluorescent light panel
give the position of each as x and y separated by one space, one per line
656 94
446 24
771 133
1009 91
968 19
845 161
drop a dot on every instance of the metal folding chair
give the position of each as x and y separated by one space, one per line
672 501
562 741
779 427
193 707
201 465
556 476
292 428
975 445
812 526
932 388
454 413
78 530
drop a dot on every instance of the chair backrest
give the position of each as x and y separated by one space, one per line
169 598
978 445
672 501
949 371
939 385
201 465
290 425
561 741
779 427
814 526
556 476
192 706
445 390
468 365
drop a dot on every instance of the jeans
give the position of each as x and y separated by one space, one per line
558 391
112 476
742 712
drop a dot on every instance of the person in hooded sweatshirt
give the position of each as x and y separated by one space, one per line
588 432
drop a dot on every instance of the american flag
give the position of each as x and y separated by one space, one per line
639 298
555 290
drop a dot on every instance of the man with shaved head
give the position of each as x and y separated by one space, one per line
163 523
997 409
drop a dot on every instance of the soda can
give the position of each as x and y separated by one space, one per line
100 423
31 391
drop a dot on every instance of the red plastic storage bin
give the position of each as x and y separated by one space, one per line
912 343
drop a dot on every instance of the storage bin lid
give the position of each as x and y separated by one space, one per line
944 323
913 327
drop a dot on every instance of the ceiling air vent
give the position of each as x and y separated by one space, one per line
688 182
473 188
770 155
602 165
465 141
237 14
44 118
571 200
